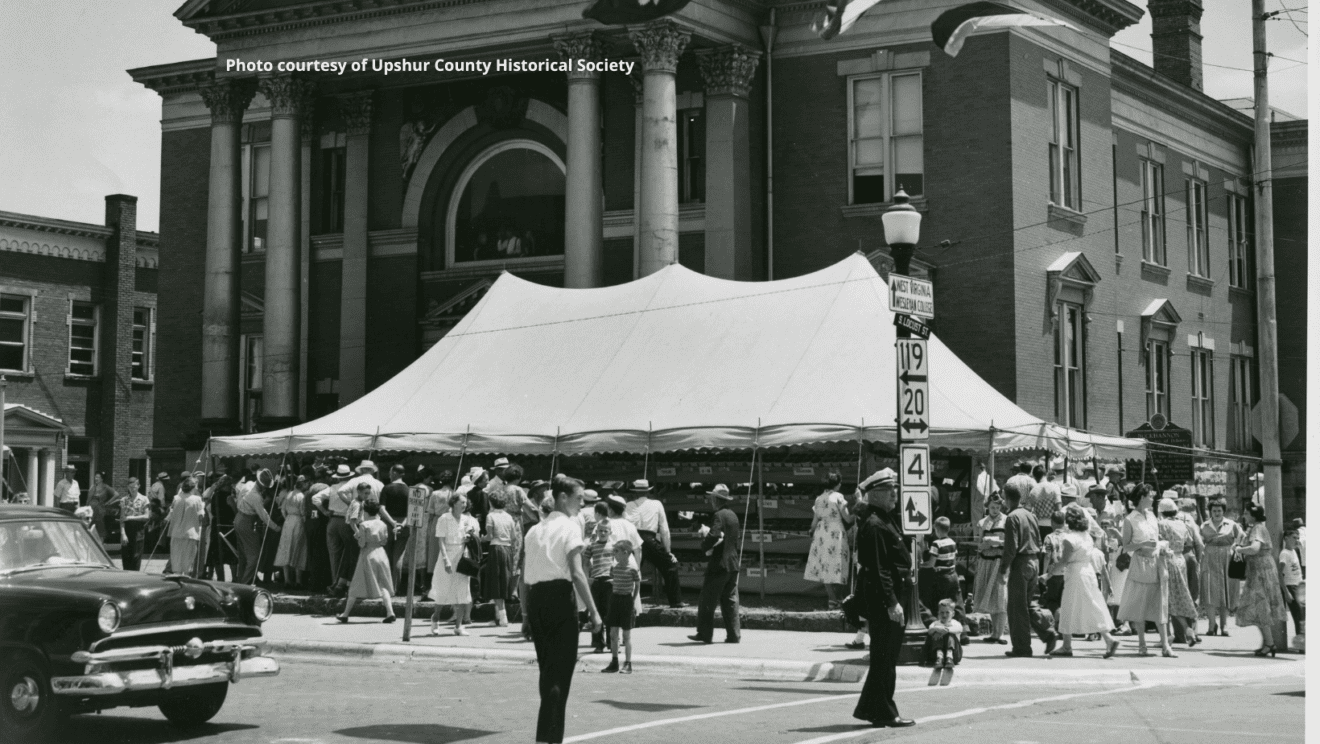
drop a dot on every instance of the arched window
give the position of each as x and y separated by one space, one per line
507 205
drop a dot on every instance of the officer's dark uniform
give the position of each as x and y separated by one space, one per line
886 568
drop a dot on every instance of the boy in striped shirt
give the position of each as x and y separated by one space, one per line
626 578
599 559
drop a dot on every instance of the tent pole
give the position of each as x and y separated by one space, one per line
861 432
757 479
458 473
991 462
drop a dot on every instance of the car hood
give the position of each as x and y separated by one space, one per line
142 598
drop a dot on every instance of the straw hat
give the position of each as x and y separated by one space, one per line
720 491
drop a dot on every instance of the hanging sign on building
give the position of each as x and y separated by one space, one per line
1170 463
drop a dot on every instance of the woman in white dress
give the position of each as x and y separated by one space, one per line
1083 610
449 587
990 594
291 557
1146 591
828 561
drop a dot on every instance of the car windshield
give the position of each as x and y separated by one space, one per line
26 545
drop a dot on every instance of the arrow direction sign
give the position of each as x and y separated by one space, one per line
916 511
911 296
913 389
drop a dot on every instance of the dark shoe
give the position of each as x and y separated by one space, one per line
612 668
699 639
1050 644
598 650
855 646
1113 648
342 620
732 640
899 723
627 668
388 620
1018 654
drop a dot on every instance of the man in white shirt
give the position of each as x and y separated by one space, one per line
67 493
983 487
649 518
366 474
1258 495
340 542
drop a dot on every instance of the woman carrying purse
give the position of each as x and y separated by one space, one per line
1146 591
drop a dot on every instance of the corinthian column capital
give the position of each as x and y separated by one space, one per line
728 70
228 98
660 43
287 94
355 108
580 46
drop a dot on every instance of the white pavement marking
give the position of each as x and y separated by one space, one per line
977 711
721 713
1162 728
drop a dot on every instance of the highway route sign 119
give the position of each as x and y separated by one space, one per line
915 510
913 389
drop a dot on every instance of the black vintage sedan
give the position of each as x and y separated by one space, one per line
78 635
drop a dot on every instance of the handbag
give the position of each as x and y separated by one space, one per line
467 565
1123 562
1237 568
1144 570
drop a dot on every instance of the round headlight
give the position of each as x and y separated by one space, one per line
262 606
107 619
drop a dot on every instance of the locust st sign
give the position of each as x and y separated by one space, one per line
909 296
913 389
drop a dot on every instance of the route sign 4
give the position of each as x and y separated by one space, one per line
915 508
913 389
911 296
914 462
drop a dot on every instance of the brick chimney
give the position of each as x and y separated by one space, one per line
117 336
1176 38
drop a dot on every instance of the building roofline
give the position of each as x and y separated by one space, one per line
1289 131
68 227
1132 77
175 77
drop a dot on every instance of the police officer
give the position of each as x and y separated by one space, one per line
886 570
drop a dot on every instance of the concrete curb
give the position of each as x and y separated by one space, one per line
686 617
789 671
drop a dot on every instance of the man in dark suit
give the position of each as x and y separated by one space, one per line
1020 566
885 578
720 542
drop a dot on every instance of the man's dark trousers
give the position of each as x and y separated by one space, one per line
601 589
719 587
877 701
1021 620
552 615
130 547
654 552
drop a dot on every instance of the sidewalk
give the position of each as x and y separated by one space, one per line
772 654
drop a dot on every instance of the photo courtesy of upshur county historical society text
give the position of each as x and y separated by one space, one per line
654 371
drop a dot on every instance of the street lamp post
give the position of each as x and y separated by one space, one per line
902 225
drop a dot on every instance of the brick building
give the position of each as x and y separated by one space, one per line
1086 218
77 347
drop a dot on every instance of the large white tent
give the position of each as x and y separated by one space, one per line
676 360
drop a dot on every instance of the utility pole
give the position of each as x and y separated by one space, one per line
1266 323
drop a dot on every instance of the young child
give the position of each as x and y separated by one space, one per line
942 573
599 557
1290 570
1055 567
626 579
942 638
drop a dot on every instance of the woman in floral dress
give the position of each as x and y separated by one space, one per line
1261 602
1176 532
829 558
1219 594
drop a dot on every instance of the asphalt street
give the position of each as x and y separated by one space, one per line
342 701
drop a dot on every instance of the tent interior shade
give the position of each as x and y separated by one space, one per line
676 360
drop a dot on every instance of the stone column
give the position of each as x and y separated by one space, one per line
309 147
47 478
227 99
583 227
728 72
638 100
660 44
281 324
33 478
356 111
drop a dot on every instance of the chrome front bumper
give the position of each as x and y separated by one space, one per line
244 662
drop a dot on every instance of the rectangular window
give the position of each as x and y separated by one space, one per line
253 363
14 329
1238 244
1070 366
84 338
1198 247
332 192
885 129
1203 398
1157 378
82 456
1152 213
256 196
1065 172
143 343
1240 401
691 156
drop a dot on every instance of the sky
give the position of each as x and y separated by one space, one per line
74 127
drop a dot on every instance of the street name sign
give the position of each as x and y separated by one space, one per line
912 325
913 389
911 296
915 508
914 459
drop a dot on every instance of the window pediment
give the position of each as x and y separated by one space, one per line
1160 321
1070 278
